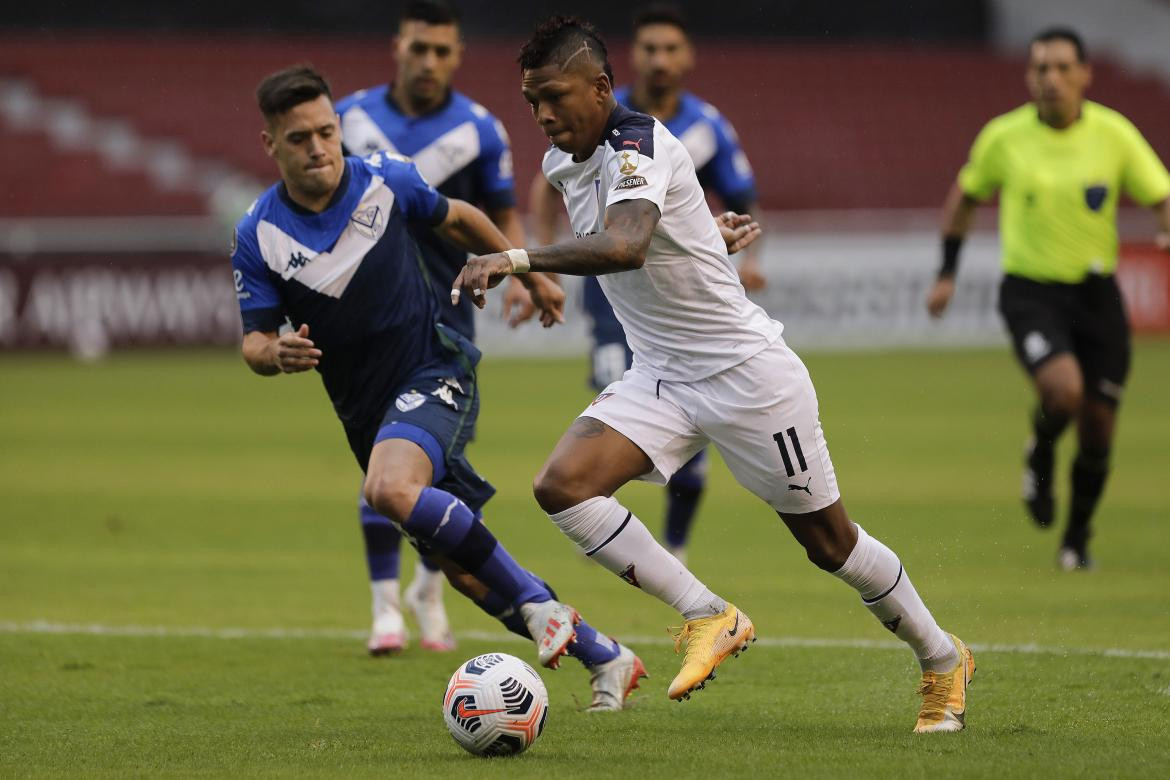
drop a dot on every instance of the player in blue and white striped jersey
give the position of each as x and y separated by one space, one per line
661 56
329 249
462 151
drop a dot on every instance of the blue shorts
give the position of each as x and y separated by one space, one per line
436 408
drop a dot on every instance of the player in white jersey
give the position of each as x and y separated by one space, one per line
709 366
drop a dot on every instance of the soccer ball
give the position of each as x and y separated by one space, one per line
495 705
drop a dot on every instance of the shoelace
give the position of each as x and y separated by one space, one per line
684 634
934 690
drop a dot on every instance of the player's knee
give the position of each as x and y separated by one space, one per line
1062 399
557 489
828 552
391 498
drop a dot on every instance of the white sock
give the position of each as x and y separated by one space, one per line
877 574
428 584
611 535
385 594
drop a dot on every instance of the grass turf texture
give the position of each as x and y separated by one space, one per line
178 490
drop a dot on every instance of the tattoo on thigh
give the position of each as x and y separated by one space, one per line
587 428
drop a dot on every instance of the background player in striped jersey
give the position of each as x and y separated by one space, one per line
328 248
462 151
661 56
1060 164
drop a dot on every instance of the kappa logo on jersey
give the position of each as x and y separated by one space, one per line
409 401
444 392
298 260
369 221
630 182
630 160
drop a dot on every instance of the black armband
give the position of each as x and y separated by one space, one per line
950 261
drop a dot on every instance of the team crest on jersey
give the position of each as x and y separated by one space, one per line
630 159
410 401
1095 196
369 221
630 182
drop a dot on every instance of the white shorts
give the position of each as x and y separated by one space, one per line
762 415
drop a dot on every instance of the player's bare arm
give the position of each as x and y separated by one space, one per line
958 212
269 354
750 275
469 228
517 304
621 246
1162 239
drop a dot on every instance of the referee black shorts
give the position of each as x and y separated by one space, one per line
1086 319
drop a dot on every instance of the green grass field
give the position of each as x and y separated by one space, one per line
165 499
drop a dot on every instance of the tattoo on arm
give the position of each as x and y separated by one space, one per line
587 428
620 247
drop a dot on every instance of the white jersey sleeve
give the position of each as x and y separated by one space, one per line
636 176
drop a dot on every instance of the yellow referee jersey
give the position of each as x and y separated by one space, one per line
1059 188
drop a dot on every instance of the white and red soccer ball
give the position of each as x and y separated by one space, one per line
495 705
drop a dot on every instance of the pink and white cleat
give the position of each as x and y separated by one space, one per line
551 625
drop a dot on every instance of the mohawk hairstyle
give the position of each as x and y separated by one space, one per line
559 40
430 12
288 88
661 13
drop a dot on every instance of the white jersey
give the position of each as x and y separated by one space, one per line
685 314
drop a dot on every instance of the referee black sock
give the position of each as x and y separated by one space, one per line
1047 427
1089 472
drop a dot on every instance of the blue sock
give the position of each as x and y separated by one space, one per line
499 607
683 492
444 523
592 648
382 543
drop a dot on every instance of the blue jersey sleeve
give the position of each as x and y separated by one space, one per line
494 166
419 201
728 172
260 304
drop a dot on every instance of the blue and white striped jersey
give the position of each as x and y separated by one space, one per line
352 274
713 146
460 149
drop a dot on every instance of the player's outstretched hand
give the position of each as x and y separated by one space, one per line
738 230
549 298
295 352
940 296
518 306
479 275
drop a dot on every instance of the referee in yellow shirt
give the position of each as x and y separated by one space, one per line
1060 163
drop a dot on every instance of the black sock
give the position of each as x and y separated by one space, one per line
1089 472
1046 428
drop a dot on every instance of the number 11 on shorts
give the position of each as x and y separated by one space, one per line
779 437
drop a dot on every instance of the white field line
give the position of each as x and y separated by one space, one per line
96 629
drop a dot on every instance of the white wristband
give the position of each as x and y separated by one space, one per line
519 258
